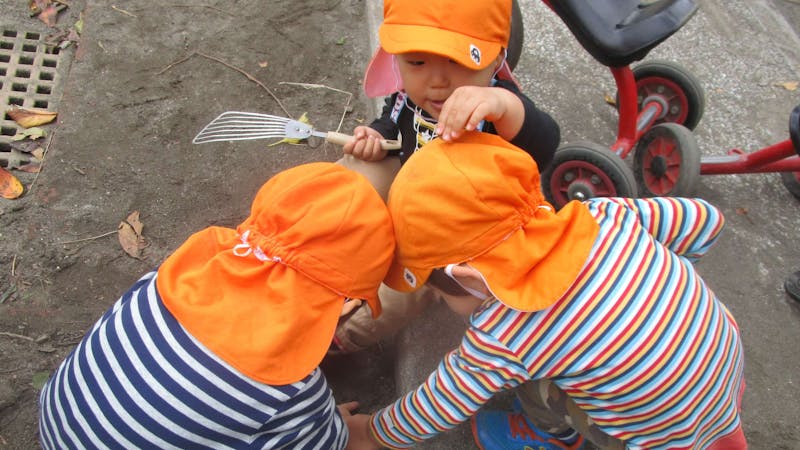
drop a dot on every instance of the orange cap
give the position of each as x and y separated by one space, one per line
478 200
266 297
471 33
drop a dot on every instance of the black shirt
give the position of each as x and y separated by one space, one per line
539 135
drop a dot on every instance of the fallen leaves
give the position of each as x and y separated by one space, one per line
789 85
26 156
27 118
130 235
29 133
46 10
10 186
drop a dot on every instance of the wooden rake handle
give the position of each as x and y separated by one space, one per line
340 139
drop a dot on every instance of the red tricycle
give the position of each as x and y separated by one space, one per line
659 104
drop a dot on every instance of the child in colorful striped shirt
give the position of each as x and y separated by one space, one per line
594 313
219 347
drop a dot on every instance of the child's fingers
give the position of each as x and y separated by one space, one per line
347 409
349 306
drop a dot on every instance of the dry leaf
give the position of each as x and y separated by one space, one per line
10 187
741 211
610 100
130 235
37 6
29 133
263 64
294 141
26 146
788 85
48 15
27 118
31 167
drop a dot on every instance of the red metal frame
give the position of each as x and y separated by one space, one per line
633 123
780 157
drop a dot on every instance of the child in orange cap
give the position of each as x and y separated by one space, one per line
442 65
219 347
594 313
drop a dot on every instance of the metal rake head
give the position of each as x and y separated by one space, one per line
238 125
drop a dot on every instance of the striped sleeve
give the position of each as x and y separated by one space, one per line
465 379
139 380
687 227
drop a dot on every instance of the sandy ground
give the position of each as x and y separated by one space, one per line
146 77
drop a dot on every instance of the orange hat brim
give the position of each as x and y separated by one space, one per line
396 38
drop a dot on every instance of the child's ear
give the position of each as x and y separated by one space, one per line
470 277
498 62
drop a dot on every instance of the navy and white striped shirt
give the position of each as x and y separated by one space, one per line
139 380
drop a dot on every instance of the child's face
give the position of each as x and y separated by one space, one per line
451 289
429 79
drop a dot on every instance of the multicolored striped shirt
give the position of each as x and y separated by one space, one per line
638 341
139 380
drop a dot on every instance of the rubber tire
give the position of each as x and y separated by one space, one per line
791 180
598 172
674 145
690 86
517 36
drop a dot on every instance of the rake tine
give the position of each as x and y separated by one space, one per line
236 127
239 125
237 137
253 116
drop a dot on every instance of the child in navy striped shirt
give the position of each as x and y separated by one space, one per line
219 347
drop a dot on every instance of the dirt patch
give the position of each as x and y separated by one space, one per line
142 82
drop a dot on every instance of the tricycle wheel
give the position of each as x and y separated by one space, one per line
584 170
515 39
667 161
792 182
672 83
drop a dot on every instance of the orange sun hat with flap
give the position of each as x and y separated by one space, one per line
266 297
478 200
471 33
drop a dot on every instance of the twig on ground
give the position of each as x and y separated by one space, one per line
15 336
322 86
226 64
13 265
202 6
44 157
8 293
114 7
90 238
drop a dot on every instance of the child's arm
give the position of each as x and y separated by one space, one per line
522 124
688 227
467 106
465 379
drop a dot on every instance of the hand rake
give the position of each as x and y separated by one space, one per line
238 125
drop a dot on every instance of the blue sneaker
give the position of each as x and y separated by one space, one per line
499 430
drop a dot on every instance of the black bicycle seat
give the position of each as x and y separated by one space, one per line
794 128
619 32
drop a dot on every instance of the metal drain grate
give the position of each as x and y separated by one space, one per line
29 77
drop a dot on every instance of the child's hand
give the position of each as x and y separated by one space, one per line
467 106
366 145
358 424
350 304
